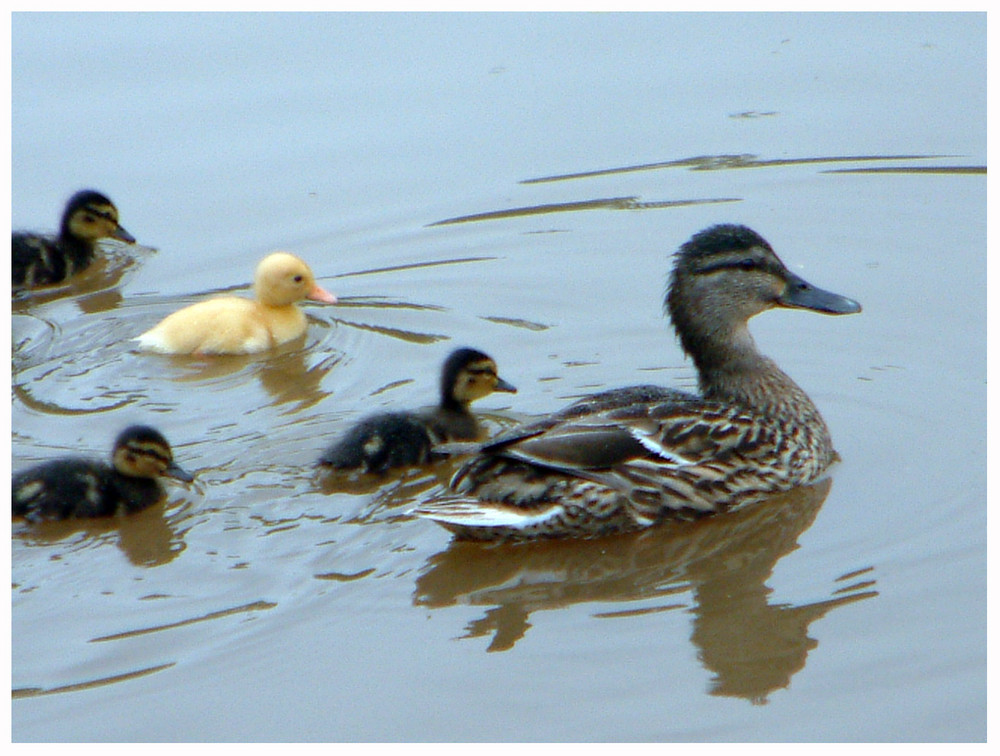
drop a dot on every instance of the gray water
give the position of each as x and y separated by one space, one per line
577 153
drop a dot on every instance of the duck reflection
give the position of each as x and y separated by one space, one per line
148 538
96 289
288 379
285 373
752 647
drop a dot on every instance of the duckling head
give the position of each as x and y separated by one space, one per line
469 374
725 275
91 216
143 452
283 279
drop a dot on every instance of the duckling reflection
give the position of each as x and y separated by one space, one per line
751 646
291 374
97 289
149 538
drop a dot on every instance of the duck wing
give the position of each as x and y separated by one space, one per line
661 450
63 488
607 430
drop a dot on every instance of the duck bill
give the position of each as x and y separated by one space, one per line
803 295
319 294
122 235
178 472
503 385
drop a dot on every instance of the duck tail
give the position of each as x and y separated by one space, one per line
479 520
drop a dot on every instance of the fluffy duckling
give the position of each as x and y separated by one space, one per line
399 439
632 457
235 325
73 487
38 260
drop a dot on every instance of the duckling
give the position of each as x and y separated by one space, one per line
400 439
38 260
628 458
74 487
235 325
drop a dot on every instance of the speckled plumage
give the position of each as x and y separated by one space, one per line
628 458
73 487
38 260
401 439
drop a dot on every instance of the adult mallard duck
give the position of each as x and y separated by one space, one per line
627 458
236 325
399 439
38 260
74 487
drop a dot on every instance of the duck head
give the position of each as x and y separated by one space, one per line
468 375
284 279
725 275
142 452
91 216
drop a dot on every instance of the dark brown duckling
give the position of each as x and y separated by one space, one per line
74 487
400 439
38 260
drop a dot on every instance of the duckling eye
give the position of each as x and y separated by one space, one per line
747 264
297 279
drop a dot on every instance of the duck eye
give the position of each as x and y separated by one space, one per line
297 279
747 264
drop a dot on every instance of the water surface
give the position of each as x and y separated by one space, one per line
517 184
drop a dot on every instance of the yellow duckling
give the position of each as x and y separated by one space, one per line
235 325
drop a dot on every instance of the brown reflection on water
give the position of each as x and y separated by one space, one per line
698 163
89 684
955 170
149 538
382 303
254 606
402 334
390 495
751 646
723 162
613 203
528 325
413 266
97 288
283 373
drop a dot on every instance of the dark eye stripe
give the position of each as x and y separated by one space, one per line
149 450
480 371
99 213
739 263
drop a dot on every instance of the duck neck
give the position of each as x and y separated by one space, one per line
451 404
136 493
452 421
731 370
80 251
